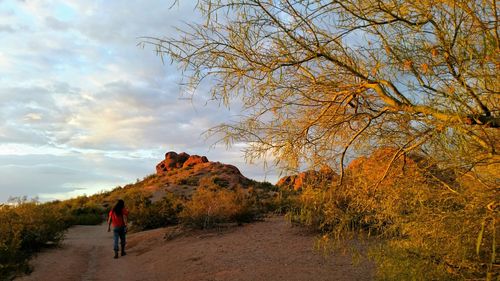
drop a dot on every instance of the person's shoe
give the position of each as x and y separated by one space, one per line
116 255
124 253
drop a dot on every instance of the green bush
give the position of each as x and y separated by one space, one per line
86 219
267 186
88 214
145 214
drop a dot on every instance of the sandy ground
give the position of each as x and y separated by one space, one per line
268 250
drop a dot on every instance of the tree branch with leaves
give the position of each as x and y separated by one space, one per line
317 77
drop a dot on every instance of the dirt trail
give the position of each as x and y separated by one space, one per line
268 250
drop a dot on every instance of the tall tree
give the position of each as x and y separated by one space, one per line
318 77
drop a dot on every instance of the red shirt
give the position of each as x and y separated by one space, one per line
117 220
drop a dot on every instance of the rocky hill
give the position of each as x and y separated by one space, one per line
181 174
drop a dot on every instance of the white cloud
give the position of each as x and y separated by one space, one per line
76 91
33 116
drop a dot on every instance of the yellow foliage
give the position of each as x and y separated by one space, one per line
435 225
210 207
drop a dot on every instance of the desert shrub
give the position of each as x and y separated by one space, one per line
87 219
450 236
280 202
130 194
431 229
150 178
267 197
88 214
145 214
209 207
221 182
267 186
192 181
82 210
24 229
213 182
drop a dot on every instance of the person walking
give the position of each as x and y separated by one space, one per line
118 217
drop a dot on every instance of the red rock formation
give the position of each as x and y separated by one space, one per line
183 157
181 174
172 161
381 166
296 182
193 160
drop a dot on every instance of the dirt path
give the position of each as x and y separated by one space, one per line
269 250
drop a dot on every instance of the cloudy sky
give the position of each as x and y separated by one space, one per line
84 109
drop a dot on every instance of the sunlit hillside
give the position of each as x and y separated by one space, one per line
378 123
200 195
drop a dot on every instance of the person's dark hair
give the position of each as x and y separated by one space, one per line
117 209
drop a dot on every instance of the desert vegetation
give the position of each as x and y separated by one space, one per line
213 203
27 226
429 230
210 207
409 88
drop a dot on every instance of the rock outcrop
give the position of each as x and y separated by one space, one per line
194 160
182 174
310 177
175 161
380 166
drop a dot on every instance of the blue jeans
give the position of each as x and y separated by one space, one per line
119 232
